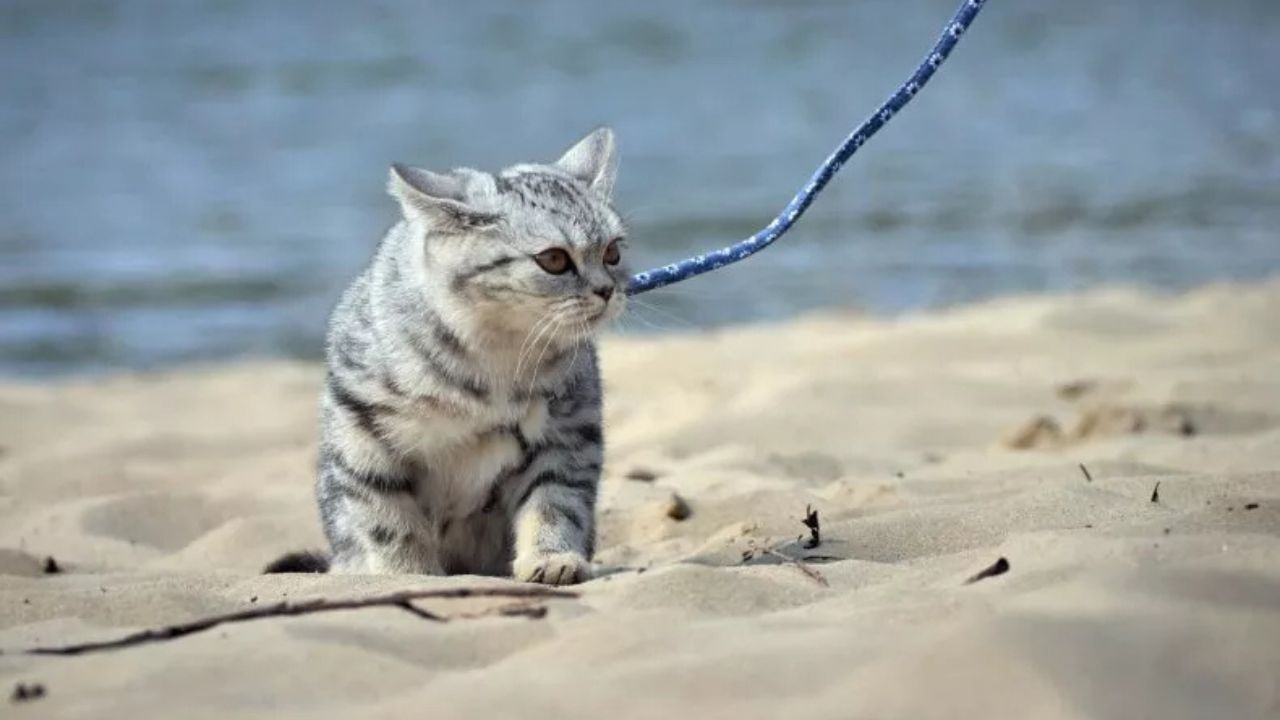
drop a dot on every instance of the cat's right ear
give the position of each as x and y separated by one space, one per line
439 199
593 160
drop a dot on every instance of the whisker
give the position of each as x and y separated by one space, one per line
527 336
584 331
530 340
642 305
537 365
647 324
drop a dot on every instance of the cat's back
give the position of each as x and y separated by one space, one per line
351 337
349 340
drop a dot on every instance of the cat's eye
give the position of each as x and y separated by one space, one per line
554 261
613 253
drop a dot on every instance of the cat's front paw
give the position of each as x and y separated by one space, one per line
557 569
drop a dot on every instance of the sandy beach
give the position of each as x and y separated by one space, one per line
1119 449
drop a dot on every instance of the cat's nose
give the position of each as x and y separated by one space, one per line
605 292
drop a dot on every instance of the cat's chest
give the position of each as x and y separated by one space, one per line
425 432
461 455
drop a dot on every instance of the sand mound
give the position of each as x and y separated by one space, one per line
1120 450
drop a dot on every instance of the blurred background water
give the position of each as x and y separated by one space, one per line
197 180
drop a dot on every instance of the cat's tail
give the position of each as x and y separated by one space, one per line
303 561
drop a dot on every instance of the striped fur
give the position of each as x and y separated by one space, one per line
461 413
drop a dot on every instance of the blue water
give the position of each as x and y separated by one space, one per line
191 181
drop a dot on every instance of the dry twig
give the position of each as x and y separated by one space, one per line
800 564
403 600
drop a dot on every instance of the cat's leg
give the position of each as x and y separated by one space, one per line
370 510
554 517
382 533
555 528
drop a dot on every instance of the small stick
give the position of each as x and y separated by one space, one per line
1085 470
800 564
402 599
424 614
516 609
1155 493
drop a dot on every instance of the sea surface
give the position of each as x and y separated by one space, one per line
192 181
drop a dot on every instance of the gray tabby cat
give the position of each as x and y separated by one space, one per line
461 420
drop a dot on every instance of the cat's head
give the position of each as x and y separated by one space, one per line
535 248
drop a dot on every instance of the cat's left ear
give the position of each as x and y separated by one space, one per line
441 199
594 161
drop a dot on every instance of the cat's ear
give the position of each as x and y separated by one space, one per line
594 161
438 198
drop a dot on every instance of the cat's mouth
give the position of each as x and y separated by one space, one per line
588 317
606 314
594 316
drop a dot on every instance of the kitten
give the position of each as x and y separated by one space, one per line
461 418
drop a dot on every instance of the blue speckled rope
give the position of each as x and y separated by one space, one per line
690 267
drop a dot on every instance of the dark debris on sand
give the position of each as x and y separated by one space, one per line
641 474
999 567
815 528
26 692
